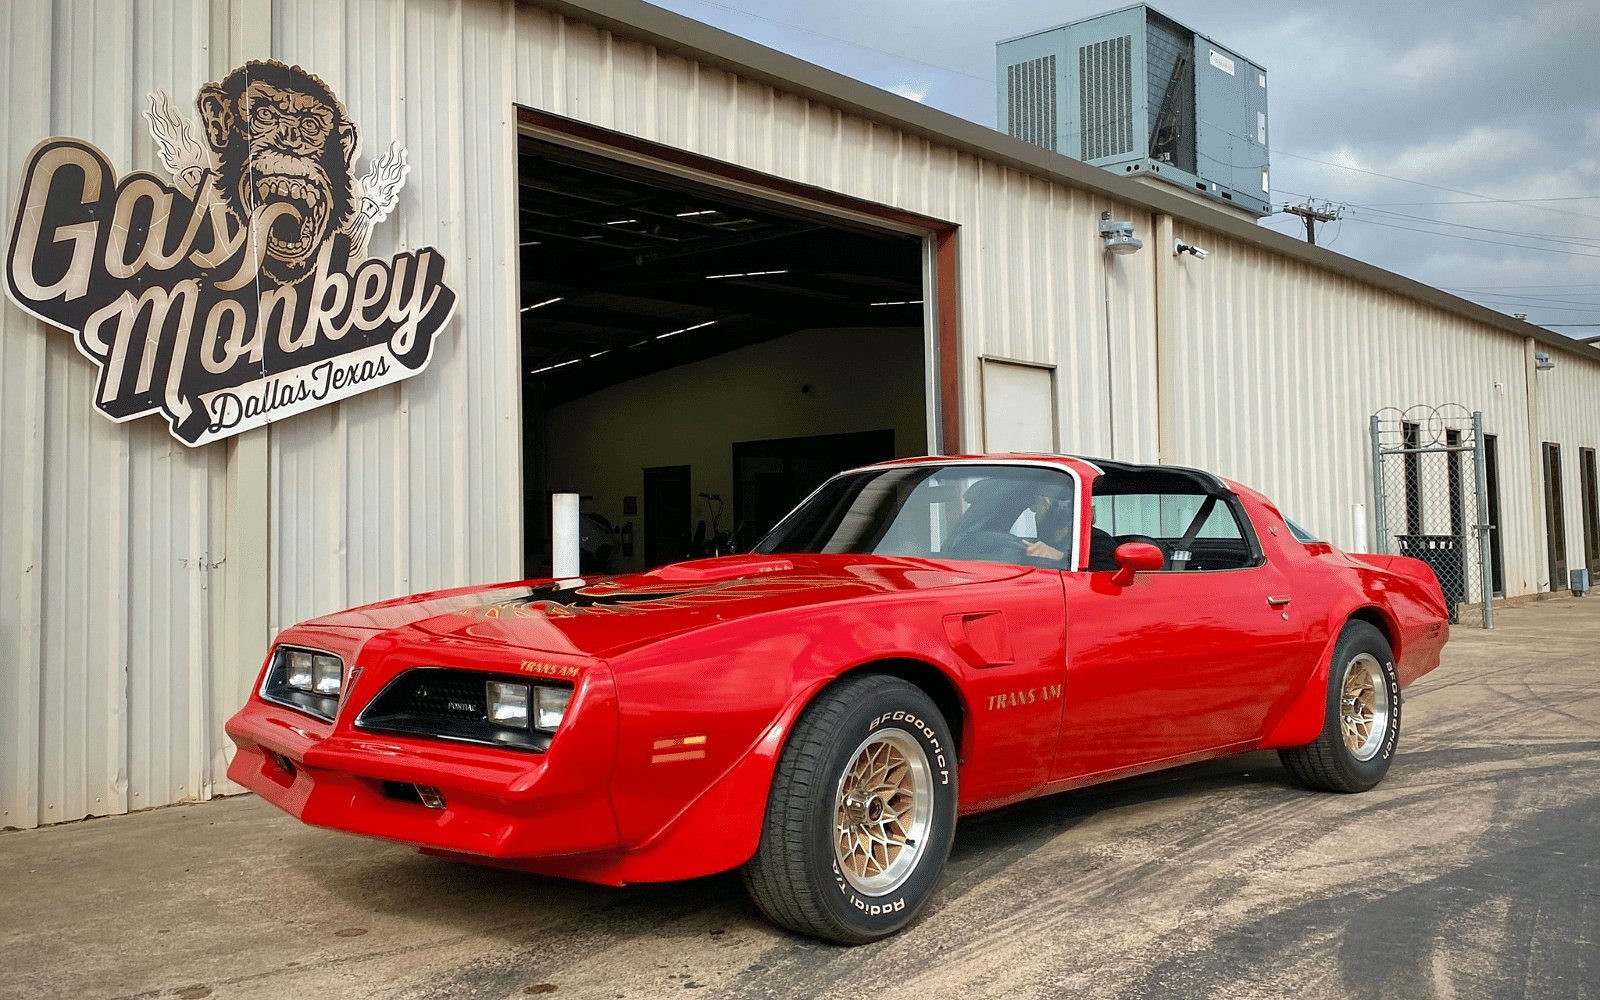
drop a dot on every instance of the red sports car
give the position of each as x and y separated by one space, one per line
917 641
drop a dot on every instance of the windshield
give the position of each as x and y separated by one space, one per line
983 512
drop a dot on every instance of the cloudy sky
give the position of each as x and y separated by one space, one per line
1460 141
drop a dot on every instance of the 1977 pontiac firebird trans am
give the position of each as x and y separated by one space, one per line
917 641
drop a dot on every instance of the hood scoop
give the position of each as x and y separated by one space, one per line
720 569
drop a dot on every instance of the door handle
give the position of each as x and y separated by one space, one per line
1278 602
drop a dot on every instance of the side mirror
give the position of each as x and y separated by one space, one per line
1134 557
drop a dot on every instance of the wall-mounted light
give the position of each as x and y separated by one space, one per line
1542 362
1118 235
1180 248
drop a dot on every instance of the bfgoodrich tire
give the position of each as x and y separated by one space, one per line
861 815
1362 724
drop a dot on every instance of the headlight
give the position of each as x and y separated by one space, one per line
551 705
508 704
299 669
305 679
327 675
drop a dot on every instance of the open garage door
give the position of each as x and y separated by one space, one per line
690 353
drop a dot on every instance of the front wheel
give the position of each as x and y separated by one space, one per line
1362 724
861 815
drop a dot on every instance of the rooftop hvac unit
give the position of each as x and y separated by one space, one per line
1137 93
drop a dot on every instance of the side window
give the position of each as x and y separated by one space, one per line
1216 542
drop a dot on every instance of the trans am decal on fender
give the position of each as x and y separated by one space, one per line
238 294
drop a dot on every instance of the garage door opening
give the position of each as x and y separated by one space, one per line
696 359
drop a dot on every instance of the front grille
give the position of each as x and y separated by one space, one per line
445 695
446 704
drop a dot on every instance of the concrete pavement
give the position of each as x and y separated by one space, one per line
1472 872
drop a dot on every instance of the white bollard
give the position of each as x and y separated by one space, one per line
563 535
1358 526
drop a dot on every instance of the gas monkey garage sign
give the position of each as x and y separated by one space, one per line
241 292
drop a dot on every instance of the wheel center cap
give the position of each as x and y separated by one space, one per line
861 808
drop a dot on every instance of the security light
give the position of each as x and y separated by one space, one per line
1118 235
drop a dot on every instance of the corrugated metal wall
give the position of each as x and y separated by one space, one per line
109 533
120 646
1278 365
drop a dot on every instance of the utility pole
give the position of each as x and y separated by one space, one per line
1313 216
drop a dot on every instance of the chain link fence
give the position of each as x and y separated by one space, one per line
1431 500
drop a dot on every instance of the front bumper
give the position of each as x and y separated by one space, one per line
499 805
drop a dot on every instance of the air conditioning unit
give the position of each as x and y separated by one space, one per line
1137 93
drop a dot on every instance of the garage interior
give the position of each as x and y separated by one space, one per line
696 360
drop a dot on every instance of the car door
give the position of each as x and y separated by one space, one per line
1180 661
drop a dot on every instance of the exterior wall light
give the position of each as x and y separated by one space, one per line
1118 235
1542 362
1180 248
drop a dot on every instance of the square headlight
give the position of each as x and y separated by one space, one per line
549 706
508 704
327 675
299 674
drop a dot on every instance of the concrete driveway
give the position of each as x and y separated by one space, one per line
1473 871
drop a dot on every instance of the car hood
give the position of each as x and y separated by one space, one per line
600 616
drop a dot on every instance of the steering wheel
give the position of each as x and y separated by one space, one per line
996 543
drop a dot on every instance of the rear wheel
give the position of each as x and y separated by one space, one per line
1362 724
861 815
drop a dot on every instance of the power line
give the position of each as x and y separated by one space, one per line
1471 239
1481 201
1312 215
1581 241
1436 187
1480 288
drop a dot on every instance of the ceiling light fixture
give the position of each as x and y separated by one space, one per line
1118 235
690 215
908 302
674 333
548 368
745 274
546 302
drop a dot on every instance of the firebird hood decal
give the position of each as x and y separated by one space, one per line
594 616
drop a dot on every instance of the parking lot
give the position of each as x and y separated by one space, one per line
1473 871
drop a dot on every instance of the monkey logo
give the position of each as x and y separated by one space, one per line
284 149
241 292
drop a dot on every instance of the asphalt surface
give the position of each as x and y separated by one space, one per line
1472 872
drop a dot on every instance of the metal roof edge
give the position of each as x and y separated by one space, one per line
691 39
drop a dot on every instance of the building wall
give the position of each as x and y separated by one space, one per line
140 581
1277 366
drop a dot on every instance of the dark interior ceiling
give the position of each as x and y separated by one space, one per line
626 273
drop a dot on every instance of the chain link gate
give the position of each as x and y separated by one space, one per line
1431 500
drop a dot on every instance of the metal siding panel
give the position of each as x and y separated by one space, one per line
1249 324
23 121
110 660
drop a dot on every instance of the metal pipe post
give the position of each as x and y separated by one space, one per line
563 535
1485 542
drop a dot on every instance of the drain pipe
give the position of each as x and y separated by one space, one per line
563 535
